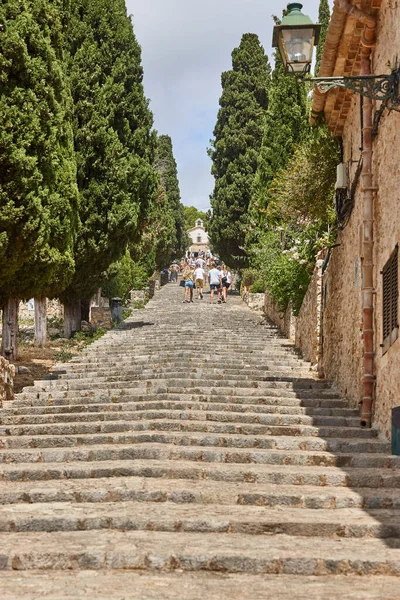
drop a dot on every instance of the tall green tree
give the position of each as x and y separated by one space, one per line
38 192
324 15
165 166
236 145
114 142
284 126
192 214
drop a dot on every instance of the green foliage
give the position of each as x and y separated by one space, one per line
303 191
235 148
258 287
287 282
323 20
249 276
63 355
285 126
113 139
139 304
38 192
171 238
124 276
192 214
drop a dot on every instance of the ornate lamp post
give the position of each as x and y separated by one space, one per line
295 38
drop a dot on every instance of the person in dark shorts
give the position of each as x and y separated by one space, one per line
214 278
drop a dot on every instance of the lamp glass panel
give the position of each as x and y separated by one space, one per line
299 44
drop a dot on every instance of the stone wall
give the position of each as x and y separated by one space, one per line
387 218
254 301
342 341
305 329
7 374
101 317
54 309
286 321
308 334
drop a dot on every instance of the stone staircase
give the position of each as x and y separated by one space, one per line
190 453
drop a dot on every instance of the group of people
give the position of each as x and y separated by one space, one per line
194 276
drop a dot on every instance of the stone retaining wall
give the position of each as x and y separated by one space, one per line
285 320
308 331
305 329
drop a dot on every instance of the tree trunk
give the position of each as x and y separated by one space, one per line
72 317
9 346
85 310
40 320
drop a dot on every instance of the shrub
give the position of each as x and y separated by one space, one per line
258 287
249 277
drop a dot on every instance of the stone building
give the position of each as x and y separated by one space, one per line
199 237
360 345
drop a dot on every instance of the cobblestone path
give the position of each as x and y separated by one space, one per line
190 454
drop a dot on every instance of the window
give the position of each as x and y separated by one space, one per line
199 239
390 301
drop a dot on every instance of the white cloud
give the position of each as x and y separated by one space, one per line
186 44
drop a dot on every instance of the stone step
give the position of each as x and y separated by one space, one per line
226 552
199 449
201 434
248 386
286 474
179 410
29 436
243 395
161 490
267 404
177 518
129 374
175 361
152 585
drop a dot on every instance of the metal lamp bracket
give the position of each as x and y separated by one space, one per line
385 88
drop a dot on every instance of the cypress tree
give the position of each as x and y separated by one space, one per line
38 192
235 148
114 143
323 19
285 124
165 166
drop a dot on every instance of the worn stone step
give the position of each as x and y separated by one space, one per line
204 491
245 387
177 410
152 585
107 404
243 396
288 453
195 434
173 517
298 475
168 431
116 375
237 553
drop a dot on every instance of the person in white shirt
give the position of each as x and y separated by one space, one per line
214 277
226 281
199 278
200 262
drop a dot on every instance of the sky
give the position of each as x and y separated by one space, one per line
186 45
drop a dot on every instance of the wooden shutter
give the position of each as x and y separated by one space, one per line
390 301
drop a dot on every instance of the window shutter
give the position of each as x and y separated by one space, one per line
390 301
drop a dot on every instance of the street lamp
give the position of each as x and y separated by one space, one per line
295 38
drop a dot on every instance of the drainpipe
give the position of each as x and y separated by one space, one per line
367 232
368 190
